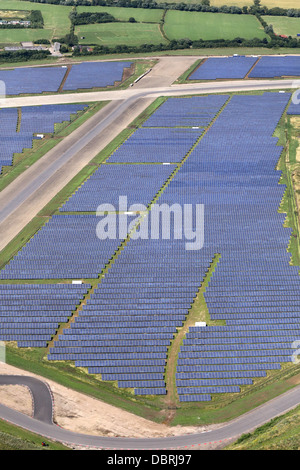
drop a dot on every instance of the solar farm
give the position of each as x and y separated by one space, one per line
134 294
20 126
86 75
241 67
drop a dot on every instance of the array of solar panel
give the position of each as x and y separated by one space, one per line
147 145
233 174
271 67
41 119
186 112
10 141
294 108
24 80
95 74
31 313
138 183
133 314
149 290
66 247
223 67
17 134
130 319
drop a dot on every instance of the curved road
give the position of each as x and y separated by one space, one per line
42 422
121 104
40 392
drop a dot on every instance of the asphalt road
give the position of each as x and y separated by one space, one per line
41 395
42 422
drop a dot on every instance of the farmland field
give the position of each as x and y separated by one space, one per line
267 3
180 25
141 15
284 25
56 19
7 14
241 3
15 36
113 34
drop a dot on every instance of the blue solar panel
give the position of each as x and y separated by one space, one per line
24 80
16 130
271 67
223 67
95 74
35 329
126 324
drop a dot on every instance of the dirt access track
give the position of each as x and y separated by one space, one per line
83 414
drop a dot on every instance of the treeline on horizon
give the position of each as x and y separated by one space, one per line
203 6
188 44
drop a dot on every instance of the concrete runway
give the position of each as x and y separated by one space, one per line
34 188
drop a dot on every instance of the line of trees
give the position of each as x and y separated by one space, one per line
90 18
23 55
203 6
36 19
188 44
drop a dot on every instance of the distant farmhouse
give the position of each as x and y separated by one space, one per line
25 46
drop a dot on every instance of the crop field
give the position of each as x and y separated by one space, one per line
113 34
192 25
284 25
11 14
56 21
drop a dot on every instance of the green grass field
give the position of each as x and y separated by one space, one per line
113 34
14 438
141 15
193 25
15 36
284 25
282 433
56 21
